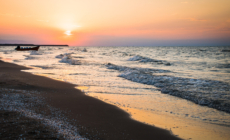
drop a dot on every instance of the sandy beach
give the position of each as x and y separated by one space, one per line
113 70
93 118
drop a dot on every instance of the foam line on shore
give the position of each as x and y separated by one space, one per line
96 118
25 103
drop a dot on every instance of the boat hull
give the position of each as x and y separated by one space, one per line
28 49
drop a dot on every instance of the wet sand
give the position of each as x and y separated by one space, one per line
94 118
16 126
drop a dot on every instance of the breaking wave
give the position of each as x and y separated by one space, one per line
67 58
146 59
214 94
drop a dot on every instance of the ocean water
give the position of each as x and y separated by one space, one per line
191 83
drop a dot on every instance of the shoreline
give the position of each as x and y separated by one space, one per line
95 117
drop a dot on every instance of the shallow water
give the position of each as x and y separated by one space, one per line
143 79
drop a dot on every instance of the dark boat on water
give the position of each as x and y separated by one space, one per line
27 48
31 47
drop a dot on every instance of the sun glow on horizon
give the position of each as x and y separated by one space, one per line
68 33
115 22
68 25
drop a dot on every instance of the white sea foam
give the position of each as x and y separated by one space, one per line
23 101
67 58
146 60
140 82
140 70
204 92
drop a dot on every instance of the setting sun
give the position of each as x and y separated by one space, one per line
68 33
150 69
116 23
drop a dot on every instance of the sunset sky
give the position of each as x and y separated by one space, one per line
116 22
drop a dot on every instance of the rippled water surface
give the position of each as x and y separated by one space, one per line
183 82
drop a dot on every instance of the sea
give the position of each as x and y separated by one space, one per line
185 90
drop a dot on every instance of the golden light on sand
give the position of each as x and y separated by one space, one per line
68 33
